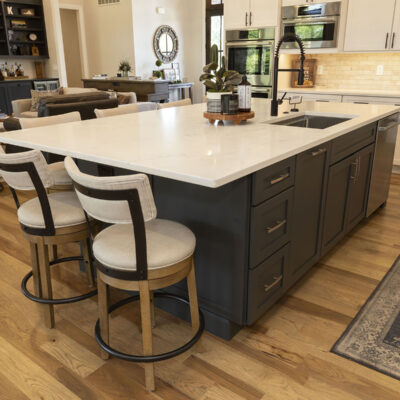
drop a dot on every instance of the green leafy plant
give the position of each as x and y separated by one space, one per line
158 63
125 66
219 79
157 74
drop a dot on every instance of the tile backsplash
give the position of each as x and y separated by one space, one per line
358 71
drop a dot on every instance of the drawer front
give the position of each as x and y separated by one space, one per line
273 180
266 284
352 142
271 224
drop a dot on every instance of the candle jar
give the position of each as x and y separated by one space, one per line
229 104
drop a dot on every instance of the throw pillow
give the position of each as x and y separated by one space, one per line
122 99
39 94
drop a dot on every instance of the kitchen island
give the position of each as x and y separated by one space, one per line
264 201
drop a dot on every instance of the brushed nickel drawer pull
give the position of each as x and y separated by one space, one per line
277 281
280 179
278 225
318 152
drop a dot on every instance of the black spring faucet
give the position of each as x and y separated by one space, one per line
300 80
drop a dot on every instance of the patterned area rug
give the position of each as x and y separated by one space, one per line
373 337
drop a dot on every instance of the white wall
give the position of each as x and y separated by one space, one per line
187 18
109 33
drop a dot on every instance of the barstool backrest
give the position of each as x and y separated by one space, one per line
15 169
111 208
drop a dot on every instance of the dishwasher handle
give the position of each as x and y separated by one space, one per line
387 127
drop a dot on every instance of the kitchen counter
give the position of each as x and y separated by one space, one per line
346 92
265 202
178 143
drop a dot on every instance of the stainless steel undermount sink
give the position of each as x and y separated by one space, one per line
312 121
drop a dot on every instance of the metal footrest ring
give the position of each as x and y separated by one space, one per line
152 358
67 300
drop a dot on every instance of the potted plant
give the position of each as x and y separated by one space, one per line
218 81
157 73
125 67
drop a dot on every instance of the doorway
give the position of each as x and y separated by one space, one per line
72 46
215 27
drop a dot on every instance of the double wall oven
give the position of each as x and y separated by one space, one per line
251 52
317 24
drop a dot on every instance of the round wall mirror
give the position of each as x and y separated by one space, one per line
165 44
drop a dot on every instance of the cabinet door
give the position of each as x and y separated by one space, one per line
4 103
263 13
19 90
336 202
236 14
310 186
369 27
395 39
359 187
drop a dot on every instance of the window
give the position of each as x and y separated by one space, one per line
215 27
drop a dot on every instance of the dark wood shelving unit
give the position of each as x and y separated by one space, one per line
14 40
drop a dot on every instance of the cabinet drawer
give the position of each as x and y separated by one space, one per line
352 142
266 284
273 180
271 224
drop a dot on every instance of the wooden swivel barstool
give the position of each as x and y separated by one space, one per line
137 253
47 220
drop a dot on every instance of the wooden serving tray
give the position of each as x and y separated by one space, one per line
235 118
12 78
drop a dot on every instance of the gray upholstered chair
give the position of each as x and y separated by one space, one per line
179 103
126 109
47 220
138 252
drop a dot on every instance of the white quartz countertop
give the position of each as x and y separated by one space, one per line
343 92
178 143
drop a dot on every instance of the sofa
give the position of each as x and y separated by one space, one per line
22 107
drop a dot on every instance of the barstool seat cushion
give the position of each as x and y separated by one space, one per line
60 174
168 243
65 208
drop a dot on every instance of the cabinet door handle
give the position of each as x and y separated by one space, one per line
318 152
387 39
355 165
277 281
251 19
393 35
279 179
279 224
247 15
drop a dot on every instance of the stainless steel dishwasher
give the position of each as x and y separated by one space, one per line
383 162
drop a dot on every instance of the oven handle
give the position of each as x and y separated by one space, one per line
249 43
291 22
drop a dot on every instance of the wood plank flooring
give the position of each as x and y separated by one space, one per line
285 355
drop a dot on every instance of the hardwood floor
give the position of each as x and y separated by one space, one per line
285 355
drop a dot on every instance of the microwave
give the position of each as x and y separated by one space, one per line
316 24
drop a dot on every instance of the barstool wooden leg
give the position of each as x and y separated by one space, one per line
153 315
88 262
103 294
37 287
45 279
194 306
53 252
147 337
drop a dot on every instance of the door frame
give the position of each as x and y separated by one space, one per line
81 35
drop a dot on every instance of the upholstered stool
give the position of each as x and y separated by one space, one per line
137 253
47 220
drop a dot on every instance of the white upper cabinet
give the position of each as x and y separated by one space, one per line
236 14
264 13
242 14
370 28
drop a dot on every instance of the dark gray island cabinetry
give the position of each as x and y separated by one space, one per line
258 235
